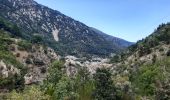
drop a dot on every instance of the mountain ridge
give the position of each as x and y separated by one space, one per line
66 35
117 40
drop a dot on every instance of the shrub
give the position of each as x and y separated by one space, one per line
115 59
18 55
144 50
168 53
12 82
9 58
43 70
38 62
104 89
12 28
24 45
37 39
55 74
84 84
28 61
161 49
146 77
30 93
65 90
154 58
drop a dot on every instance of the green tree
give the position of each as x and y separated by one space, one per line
55 74
65 89
146 77
104 85
84 84
37 39
16 31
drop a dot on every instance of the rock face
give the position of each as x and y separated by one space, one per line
6 70
61 32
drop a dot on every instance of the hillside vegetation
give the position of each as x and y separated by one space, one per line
31 70
144 68
143 72
60 32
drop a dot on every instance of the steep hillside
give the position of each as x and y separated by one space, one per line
145 67
115 40
21 62
62 33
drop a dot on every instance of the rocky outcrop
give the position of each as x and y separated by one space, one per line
6 70
37 60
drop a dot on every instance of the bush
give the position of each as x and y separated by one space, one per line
144 50
12 28
38 62
104 89
65 90
168 53
28 61
12 82
37 39
115 59
9 58
55 74
24 45
161 49
84 84
43 70
31 93
146 77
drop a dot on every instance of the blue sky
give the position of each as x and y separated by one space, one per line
131 20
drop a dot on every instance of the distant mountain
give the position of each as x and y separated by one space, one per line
115 40
64 34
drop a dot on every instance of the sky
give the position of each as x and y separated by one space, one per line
131 20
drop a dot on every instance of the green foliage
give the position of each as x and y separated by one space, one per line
146 78
160 35
84 84
104 89
144 50
168 53
85 91
24 45
55 74
37 39
115 59
16 31
58 85
62 87
153 80
16 81
9 58
65 90
30 93
13 81
7 26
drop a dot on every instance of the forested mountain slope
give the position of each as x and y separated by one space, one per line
62 33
